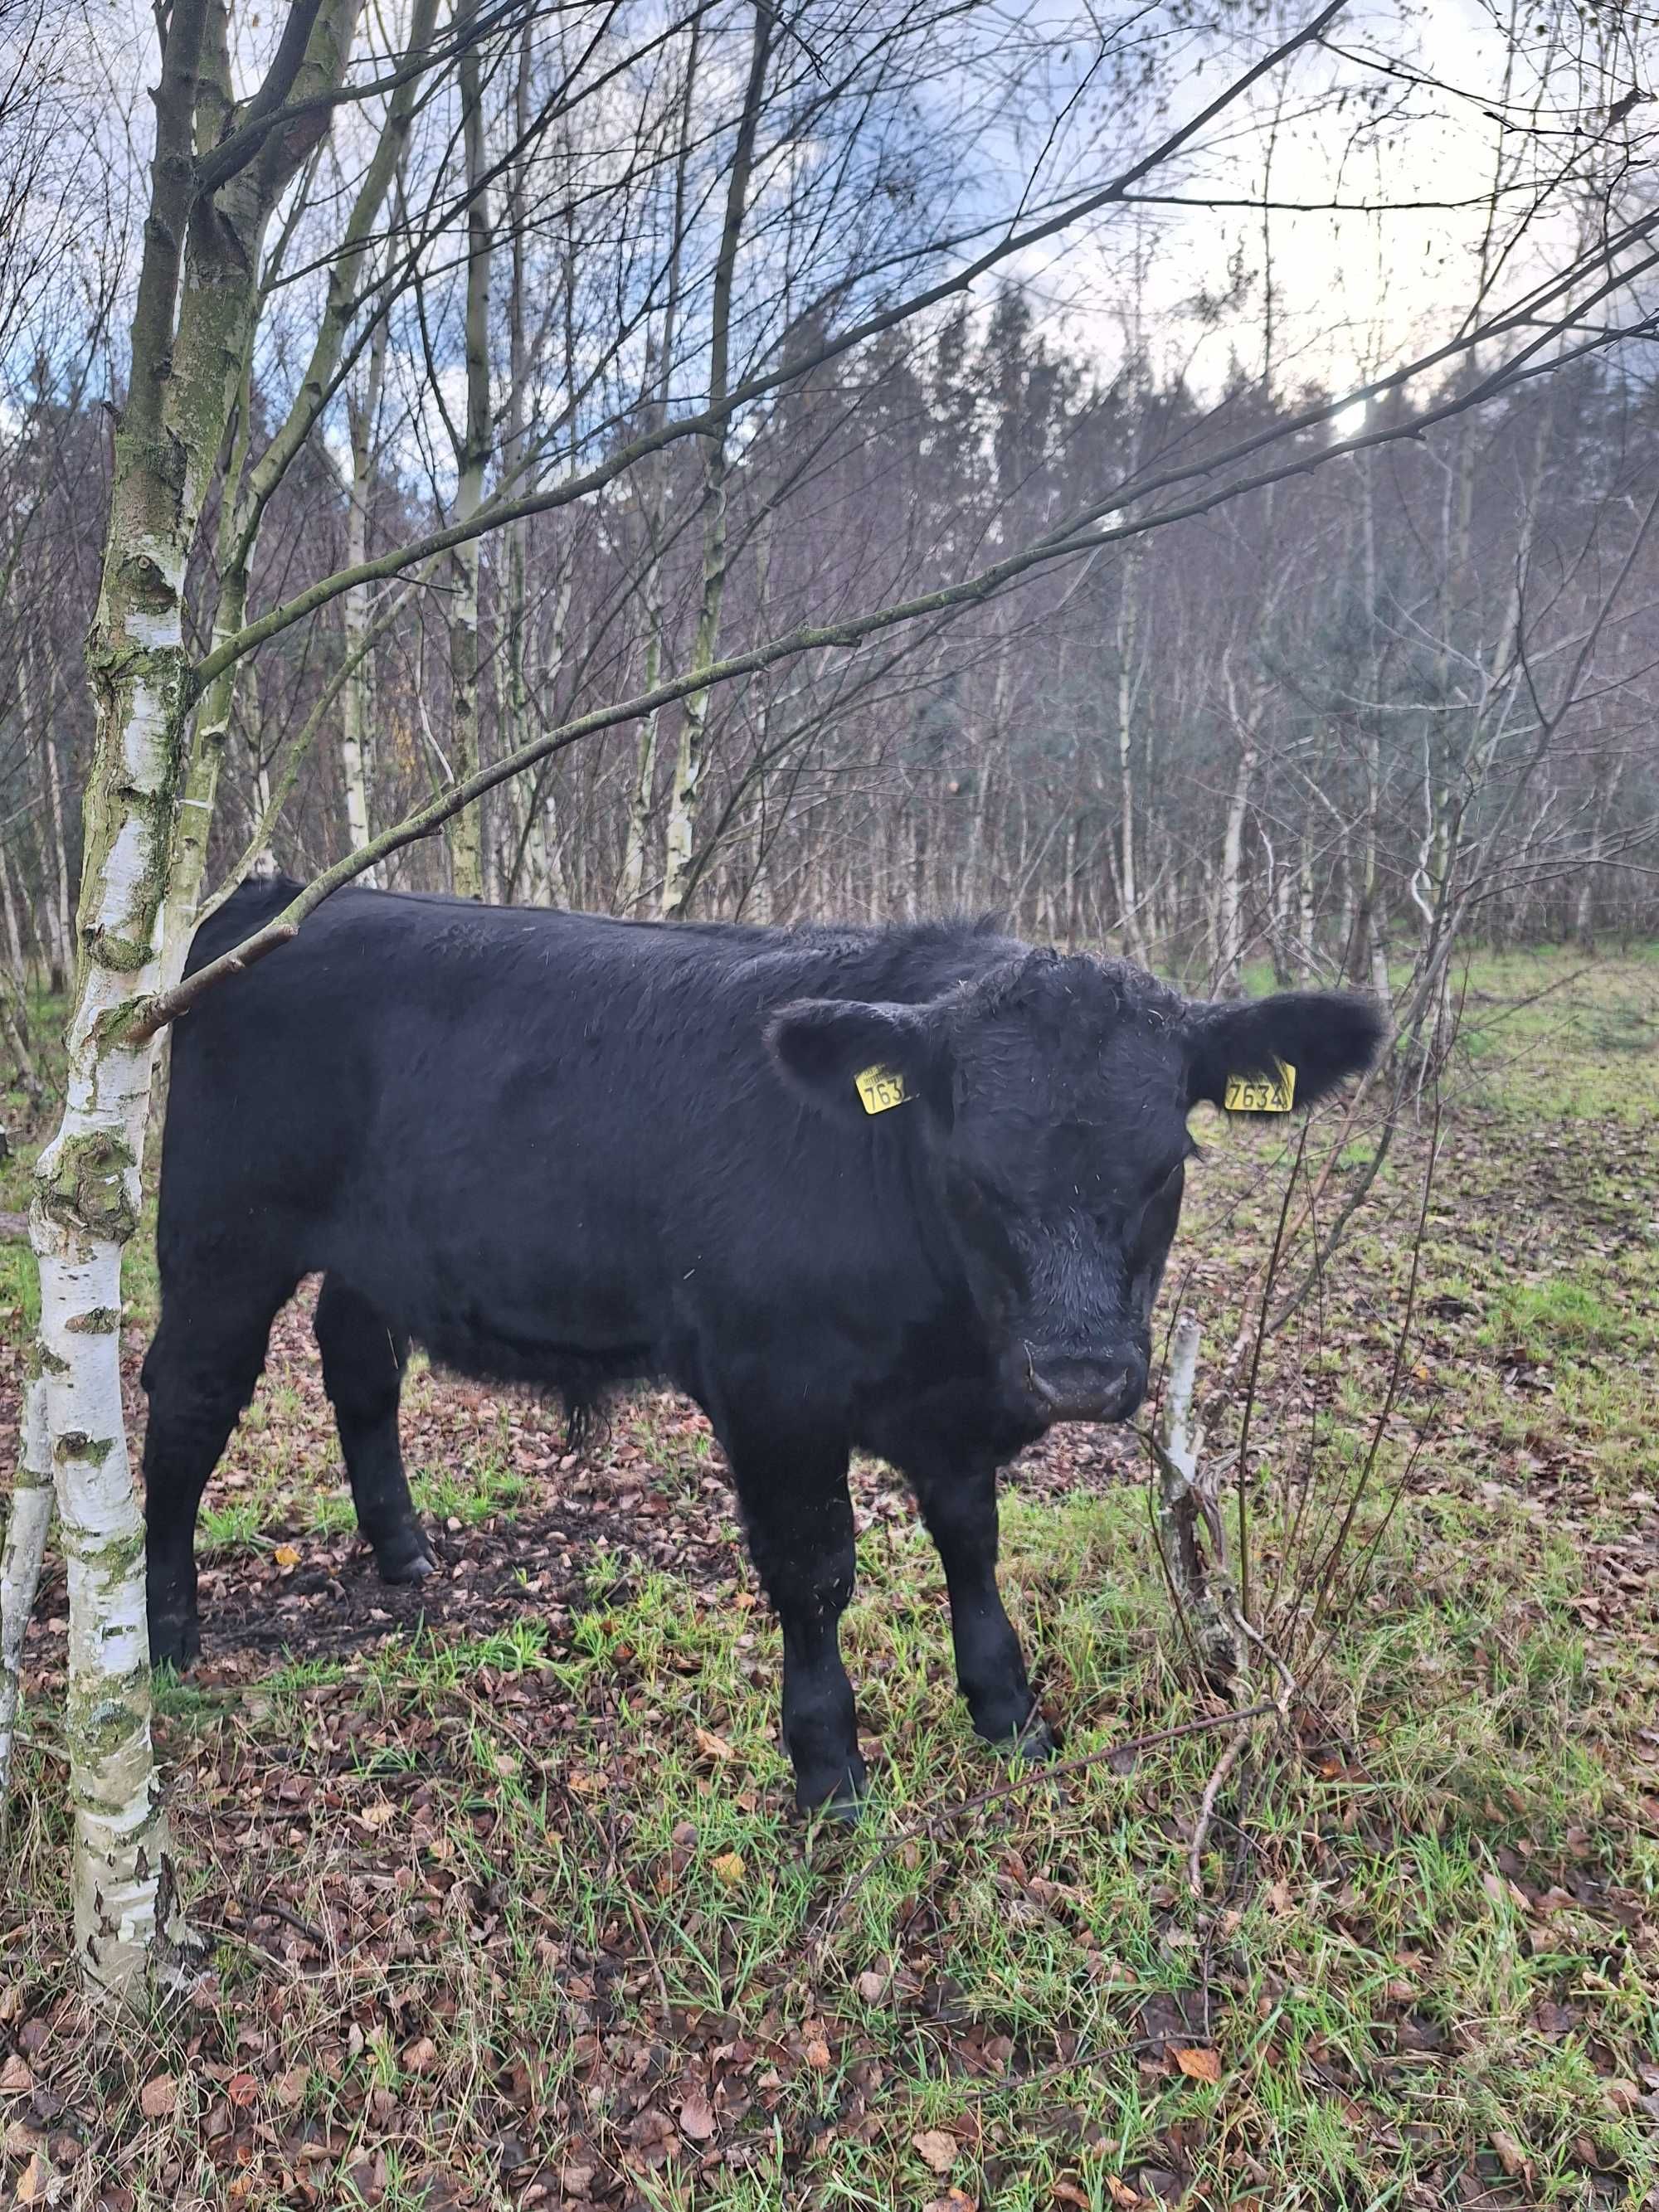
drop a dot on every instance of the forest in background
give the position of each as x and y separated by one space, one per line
1307 722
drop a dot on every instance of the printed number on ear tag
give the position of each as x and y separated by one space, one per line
880 1089
1261 1094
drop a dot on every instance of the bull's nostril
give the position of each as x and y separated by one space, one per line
1043 1391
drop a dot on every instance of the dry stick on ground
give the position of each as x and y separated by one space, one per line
1031 1776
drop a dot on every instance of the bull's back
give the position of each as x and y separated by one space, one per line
503 1127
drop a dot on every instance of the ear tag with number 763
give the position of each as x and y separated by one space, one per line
880 1089
1261 1094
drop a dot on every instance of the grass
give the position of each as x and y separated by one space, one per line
518 1914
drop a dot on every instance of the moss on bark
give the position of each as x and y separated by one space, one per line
86 1186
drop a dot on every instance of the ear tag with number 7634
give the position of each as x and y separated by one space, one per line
880 1089
1261 1094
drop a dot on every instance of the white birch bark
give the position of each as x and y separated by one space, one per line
86 1206
630 885
363 417
20 1564
1230 890
1128 613
13 1003
1186 1499
466 830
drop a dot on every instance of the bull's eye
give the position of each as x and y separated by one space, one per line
980 1218
1169 1186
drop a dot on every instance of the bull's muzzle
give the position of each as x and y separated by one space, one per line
1063 1387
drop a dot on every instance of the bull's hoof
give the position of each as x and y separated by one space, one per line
175 1640
1030 1739
406 1559
1035 1743
1013 1726
839 1797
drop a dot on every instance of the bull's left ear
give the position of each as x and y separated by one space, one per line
824 1046
1323 1035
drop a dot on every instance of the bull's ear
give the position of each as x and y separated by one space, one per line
824 1046
1323 1035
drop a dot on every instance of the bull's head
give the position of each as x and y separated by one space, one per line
1051 1098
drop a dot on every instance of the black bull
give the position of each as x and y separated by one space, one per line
569 1152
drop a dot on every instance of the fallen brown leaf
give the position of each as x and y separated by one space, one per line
242 2090
158 2096
16 2078
1199 2065
32 2182
730 1867
1510 2156
697 2117
713 1747
291 2085
935 2149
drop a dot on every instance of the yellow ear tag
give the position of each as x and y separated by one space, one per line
880 1089
1261 1094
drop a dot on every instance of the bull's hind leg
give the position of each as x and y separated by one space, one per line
958 1502
363 1374
200 1372
799 1522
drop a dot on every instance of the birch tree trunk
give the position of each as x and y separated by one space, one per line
1134 933
694 715
467 829
20 1564
1230 900
363 417
14 1006
61 933
631 886
1229 890
196 293
20 972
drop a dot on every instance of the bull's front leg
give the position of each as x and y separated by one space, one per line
799 1522
959 1506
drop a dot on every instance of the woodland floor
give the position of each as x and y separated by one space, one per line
505 1907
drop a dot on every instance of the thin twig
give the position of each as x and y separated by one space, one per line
1212 1788
1268 1281
1057 1769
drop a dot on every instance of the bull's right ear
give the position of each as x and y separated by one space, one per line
824 1046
